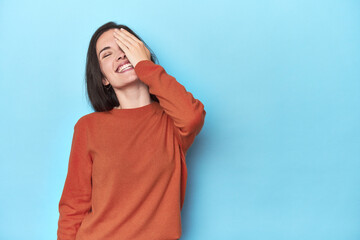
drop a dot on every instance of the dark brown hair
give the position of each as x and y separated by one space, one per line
103 99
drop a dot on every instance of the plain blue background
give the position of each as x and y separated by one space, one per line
279 154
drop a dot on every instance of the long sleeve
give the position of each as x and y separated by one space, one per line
188 113
75 201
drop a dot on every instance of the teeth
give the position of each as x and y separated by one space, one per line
123 67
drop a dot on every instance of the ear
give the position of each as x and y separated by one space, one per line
105 81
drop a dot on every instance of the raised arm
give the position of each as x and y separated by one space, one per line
75 201
188 113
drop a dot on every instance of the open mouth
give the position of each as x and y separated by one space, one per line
124 68
127 69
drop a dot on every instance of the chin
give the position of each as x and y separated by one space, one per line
128 81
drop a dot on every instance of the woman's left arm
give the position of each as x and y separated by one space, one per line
187 112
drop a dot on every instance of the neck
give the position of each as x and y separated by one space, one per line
133 95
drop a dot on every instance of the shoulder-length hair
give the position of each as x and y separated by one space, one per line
101 98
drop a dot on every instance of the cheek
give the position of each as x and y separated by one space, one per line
106 67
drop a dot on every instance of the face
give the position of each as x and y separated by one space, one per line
110 58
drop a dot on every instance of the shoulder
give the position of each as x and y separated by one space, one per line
87 119
91 119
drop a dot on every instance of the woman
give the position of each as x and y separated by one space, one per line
127 172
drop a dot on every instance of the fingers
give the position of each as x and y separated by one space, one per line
132 46
129 35
121 38
127 38
122 45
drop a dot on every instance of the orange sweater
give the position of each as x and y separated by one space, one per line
127 173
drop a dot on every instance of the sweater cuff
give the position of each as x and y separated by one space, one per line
143 67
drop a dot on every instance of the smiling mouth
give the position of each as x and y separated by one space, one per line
124 67
127 69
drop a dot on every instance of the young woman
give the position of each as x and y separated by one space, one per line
127 173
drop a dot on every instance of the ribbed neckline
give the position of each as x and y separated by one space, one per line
135 111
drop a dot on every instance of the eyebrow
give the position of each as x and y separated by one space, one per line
104 49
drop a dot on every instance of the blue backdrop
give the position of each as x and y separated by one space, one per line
279 154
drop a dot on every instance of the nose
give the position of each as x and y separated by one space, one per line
121 54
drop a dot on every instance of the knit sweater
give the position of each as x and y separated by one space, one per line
127 173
